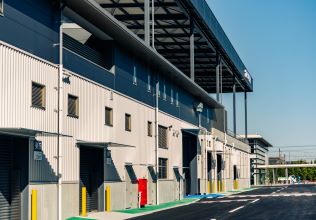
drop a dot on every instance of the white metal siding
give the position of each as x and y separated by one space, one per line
17 71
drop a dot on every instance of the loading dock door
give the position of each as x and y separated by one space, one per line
5 168
13 175
91 176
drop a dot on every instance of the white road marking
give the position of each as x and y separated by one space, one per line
255 201
234 210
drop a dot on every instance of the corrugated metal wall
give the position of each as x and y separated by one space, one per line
17 71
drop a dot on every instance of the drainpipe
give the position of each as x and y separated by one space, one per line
156 141
60 119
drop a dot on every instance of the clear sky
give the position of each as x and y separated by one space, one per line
276 39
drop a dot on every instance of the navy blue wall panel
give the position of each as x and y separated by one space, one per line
87 69
32 26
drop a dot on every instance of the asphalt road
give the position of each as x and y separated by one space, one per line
288 202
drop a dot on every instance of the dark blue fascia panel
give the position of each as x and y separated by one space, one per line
125 63
122 81
32 26
77 64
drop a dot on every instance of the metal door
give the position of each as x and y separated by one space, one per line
5 168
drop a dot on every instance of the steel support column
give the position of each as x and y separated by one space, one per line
192 50
146 22
273 176
234 106
287 175
246 117
153 23
217 77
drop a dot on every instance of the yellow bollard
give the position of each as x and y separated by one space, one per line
223 186
209 186
219 186
84 202
34 204
108 199
213 187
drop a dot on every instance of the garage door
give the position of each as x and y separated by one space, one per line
91 175
5 167
10 199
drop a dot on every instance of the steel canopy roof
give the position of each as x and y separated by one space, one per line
171 36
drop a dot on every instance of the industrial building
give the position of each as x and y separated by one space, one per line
100 94
259 156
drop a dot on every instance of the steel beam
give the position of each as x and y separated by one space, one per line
146 22
192 50
246 117
234 106
217 78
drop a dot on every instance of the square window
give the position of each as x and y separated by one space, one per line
108 116
162 137
73 106
38 95
150 129
163 168
128 122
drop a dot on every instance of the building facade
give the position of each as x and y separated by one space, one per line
259 156
91 100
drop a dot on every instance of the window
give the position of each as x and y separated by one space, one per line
150 129
163 167
108 116
38 95
177 99
135 75
171 96
149 83
164 92
128 122
162 137
207 116
1 6
73 106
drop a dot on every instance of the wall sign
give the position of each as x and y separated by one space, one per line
38 153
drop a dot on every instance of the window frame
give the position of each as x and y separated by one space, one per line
106 108
43 95
161 168
76 115
149 128
129 117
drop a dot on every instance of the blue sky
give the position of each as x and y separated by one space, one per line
276 39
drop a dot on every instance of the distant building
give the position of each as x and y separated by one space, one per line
276 160
259 156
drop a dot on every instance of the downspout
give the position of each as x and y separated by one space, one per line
156 141
59 122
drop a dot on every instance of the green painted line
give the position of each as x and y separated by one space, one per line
80 218
156 207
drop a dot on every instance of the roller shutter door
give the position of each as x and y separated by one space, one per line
91 169
5 167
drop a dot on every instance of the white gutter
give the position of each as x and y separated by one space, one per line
157 142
